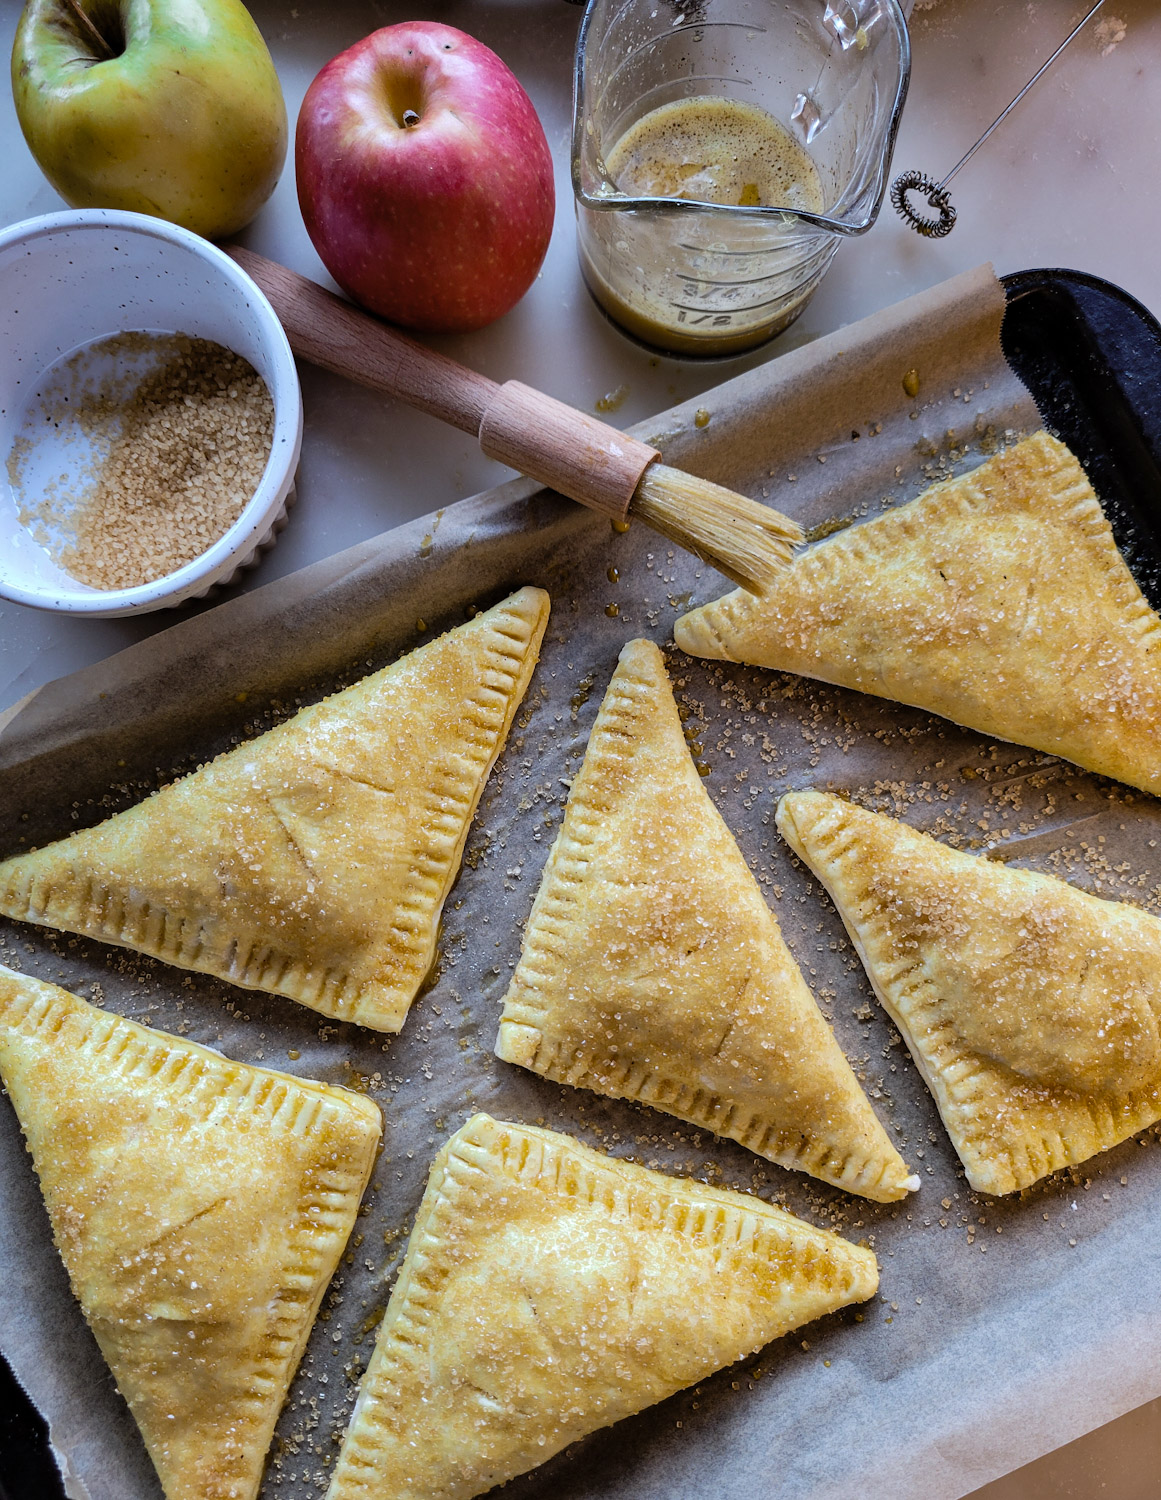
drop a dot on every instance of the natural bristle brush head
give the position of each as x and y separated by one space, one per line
748 542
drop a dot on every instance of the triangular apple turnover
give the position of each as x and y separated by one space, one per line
314 861
653 969
1032 1009
998 600
200 1207
549 1291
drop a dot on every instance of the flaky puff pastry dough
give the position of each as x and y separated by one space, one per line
653 969
549 1291
1032 1009
312 862
200 1207
998 600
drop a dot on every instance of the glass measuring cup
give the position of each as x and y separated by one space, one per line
704 278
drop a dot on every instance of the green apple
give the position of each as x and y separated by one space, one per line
166 107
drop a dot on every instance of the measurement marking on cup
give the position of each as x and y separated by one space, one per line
716 78
747 307
711 25
693 283
721 250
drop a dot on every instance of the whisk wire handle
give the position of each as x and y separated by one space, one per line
936 192
937 197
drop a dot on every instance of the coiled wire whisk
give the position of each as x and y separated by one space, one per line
936 193
937 198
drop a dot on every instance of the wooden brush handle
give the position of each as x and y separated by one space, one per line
561 447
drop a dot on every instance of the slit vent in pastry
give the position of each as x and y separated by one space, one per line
200 1207
997 599
549 1291
1032 1009
312 862
653 969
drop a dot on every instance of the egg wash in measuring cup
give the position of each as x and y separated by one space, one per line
735 282
715 150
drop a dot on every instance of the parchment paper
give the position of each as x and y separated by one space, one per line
1004 1327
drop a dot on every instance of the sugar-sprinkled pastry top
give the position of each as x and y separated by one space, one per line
549 1290
200 1207
653 969
314 861
1032 1009
997 599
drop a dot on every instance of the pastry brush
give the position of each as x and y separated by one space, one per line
555 444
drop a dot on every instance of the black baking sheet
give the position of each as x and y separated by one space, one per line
1091 357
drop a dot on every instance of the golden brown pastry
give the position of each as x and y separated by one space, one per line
200 1207
998 600
314 861
1032 1009
653 969
549 1291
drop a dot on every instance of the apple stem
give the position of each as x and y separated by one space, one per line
89 27
410 118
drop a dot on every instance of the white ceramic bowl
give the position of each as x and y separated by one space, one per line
69 279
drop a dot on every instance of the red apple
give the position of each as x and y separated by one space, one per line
424 177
